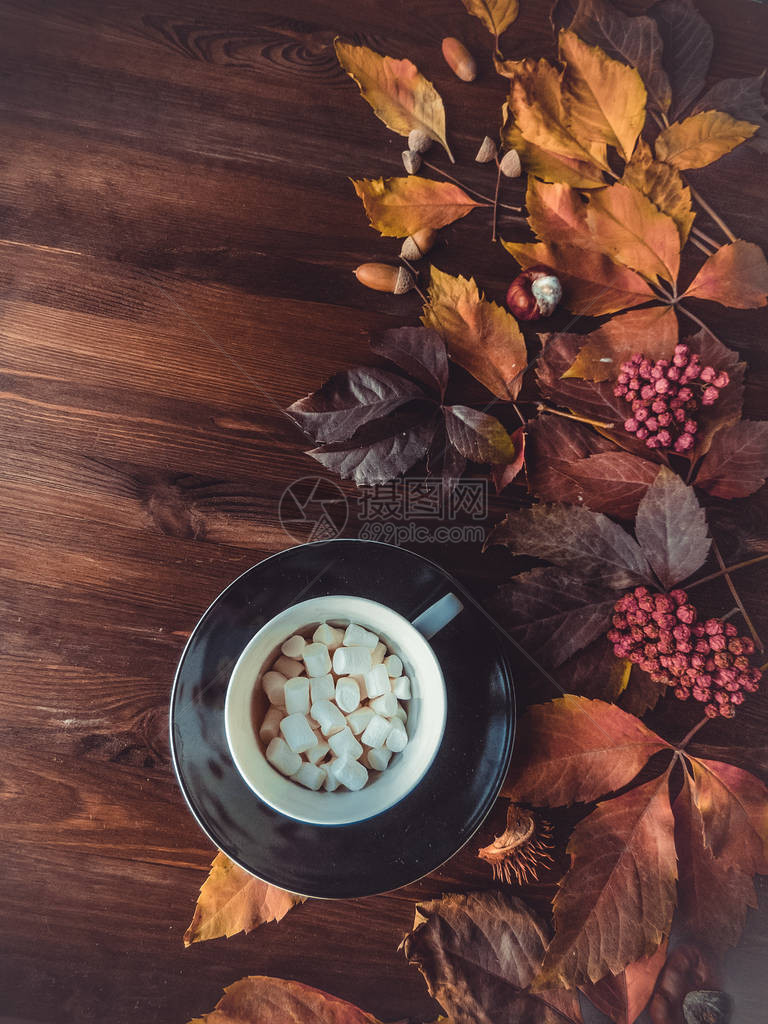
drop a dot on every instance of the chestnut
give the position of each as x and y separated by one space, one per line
534 293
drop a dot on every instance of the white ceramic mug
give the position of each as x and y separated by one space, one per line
246 705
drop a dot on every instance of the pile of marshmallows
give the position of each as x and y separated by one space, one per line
329 726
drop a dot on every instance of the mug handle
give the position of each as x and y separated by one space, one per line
437 616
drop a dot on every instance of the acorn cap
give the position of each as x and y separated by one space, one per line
510 165
487 152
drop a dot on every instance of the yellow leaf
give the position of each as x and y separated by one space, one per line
663 185
634 232
496 15
399 94
592 283
262 1000
399 207
620 675
604 99
736 276
701 139
557 213
536 104
548 166
231 901
481 336
652 331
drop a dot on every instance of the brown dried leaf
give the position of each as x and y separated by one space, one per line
577 750
734 810
701 139
742 98
663 185
727 409
476 435
672 529
399 207
652 331
262 1000
418 351
595 672
624 997
503 473
641 693
548 166
557 213
687 50
496 15
379 452
231 901
736 464
736 275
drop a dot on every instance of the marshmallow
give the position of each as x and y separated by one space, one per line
393 666
270 727
280 756
293 646
344 744
351 661
317 659
397 738
350 773
377 681
347 694
385 705
378 758
328 717
311 776
297 696
401 687
400 713
358 720
331 782
297 733
289 667
376 732
273 684
378 653
321 688
328 635
356 636
318 752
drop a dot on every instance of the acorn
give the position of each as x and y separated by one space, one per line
534 293
418 244
384 278
459 59
418 141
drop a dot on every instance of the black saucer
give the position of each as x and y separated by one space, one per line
416 835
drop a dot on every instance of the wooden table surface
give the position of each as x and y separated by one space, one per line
178 235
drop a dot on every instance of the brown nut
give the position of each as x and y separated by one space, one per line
534 293
384 278
459 59
418 244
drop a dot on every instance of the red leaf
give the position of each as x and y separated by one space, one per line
395 445
734 809
624 997
672 529
595 672
641 693
417 350
687 50
503 473
476 435
262 1000
652 331
727 409
737 462
736 275
576 750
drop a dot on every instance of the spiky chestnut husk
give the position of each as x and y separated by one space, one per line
522 849
535 293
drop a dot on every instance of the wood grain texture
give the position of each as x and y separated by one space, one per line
178 235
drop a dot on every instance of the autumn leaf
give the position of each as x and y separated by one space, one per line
634 232
496 15
604 99
641 693
727 409
614 905
398 94
476 435
503 473
687 50
734 809
652 331
736 464
231 900
419 351
399 207
551 167
736 275
380 452
576 750
671 528
742 98
444 461
557 213
624 997
595 672
592 283
552 614
480 336
701 139
262 1000
662 184
478 953
585 543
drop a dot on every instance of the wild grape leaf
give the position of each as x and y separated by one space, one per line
712 893
557 213
481 336
634 232
552 167
417 350
444 461
231 900
742 98
350 399
399 207
496 15
595 672
585 543
575 750
372 456
641 693
701 139
688 41
592 283
624 997
604 99
614 482
663 185
734 810
736 275
398 93
737 461
262 1000
476 435
552 614
503 473
614 905
478 953
636 41
727 409
672 529
652 331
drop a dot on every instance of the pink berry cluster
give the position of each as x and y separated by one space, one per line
705 660
665 396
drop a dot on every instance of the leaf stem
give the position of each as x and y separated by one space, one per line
715 216
692 316
540 407
705 237
722 572
496 199
472 191
687 739
415 273
700 245
736 597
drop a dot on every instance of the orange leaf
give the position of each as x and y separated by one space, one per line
262 1000
399 94
232 901
652 331
481 336
701 139
663 185
604 99
634 232
575 749
592 283
557 213
496 15
547 165
624 997
401 206
736 275
615 903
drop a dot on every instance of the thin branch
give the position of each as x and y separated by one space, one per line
722 572
472 191
496 199
705 237
715 216
700 245
415 273
737 598
692 316
520 416
687 739
572 416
